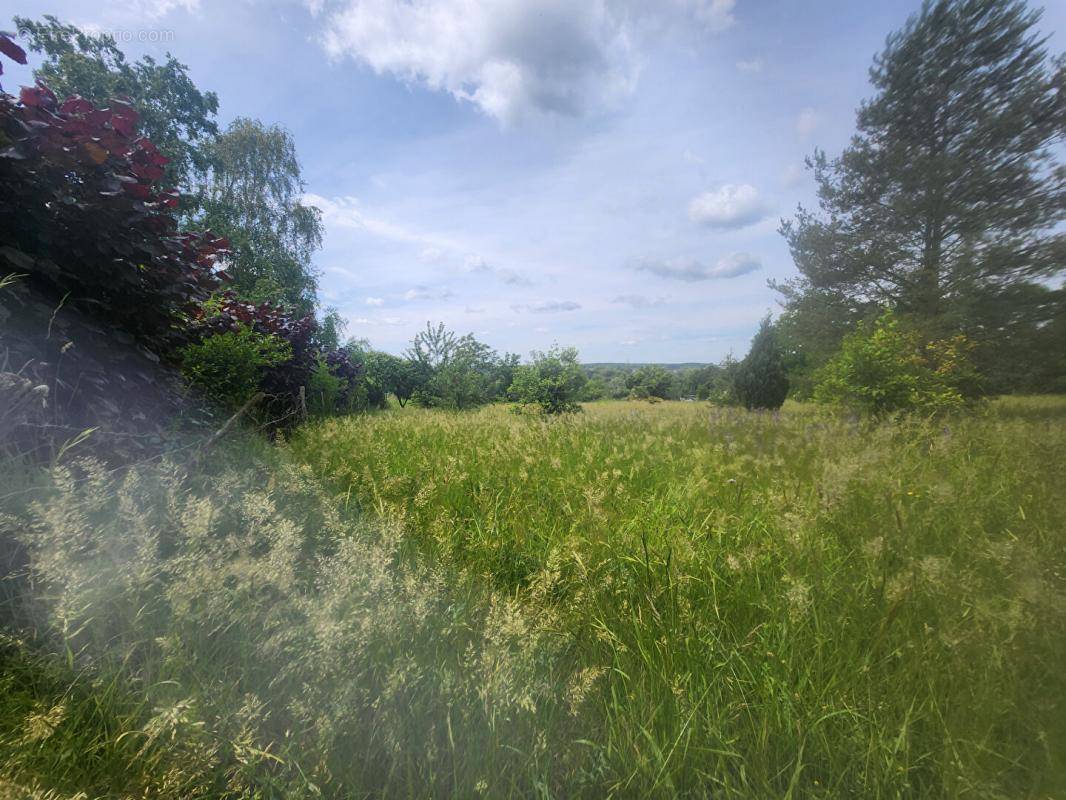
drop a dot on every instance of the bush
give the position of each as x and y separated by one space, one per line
229 367
82 213
761 381
553 381
650 381
282 381
885 368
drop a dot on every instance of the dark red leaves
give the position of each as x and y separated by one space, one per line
39 96
11 50
76 105
80 190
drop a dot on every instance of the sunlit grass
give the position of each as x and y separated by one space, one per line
664 600
770 602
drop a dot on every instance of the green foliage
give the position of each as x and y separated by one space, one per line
457 372
722 389
324 389
650 381
950 195
885 367
253 196
760 381
229 367
553 381
174 114
272 646
594 389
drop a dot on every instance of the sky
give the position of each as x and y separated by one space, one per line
606 174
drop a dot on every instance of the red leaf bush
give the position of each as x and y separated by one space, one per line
83 215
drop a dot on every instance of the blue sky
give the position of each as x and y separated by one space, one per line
608 174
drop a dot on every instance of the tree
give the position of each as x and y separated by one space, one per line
761 381
553 381
253 196
404 381
885 367
650 380
950 187
454 371
172 112
595 389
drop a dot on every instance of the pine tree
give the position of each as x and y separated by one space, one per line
950 191
761 380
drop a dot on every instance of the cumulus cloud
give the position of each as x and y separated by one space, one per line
806 122
729 207
639 301
730 266
511 58
375 301
753 65
547 306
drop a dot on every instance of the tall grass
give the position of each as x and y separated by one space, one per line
765 605
638 601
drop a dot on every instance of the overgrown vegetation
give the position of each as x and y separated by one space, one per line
552 382
659 601
884 368
642 600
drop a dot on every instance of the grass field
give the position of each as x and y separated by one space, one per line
763 605
664 600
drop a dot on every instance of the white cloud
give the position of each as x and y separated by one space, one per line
344 212
639 301
376 322
511 58
547 306
730 266
375 301
508 276
427 293
806 122
753 65
154 9
731 206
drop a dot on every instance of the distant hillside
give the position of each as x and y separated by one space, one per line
633 365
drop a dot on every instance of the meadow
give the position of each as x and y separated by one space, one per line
640 600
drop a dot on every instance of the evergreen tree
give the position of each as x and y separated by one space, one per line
761 381
949 194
